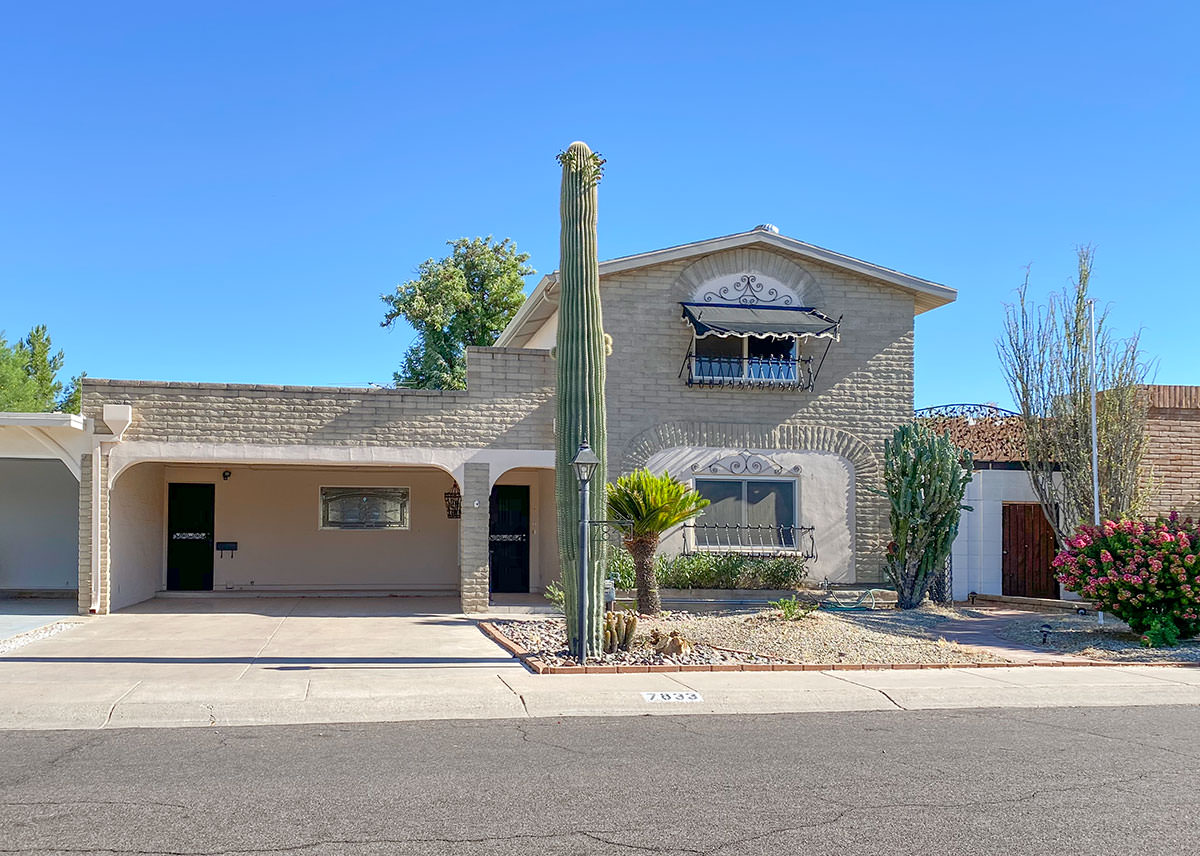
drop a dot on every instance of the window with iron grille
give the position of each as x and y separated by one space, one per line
747 514
364 507
764 359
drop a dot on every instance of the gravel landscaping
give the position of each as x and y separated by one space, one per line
879 637
1081 635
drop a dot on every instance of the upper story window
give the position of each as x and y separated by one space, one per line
740 344
364 507
765 359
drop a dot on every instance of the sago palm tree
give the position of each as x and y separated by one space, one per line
643 507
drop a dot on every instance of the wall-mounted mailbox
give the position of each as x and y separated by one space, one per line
224 547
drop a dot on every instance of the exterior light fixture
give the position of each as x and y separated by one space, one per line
225 475
585 463
1046 628
971 597
453 503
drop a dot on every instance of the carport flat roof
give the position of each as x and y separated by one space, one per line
44 420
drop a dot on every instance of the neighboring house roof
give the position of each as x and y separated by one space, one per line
542 302
1173 397
991 434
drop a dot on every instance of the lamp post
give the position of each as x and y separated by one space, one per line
1095 443
585 464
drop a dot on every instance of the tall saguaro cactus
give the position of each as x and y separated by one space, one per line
580 353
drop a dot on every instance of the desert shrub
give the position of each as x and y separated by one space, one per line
557 597
792 609
1146 574
714 571
779 572
620 569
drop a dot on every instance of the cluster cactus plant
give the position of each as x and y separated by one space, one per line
925 478
619 630
580 352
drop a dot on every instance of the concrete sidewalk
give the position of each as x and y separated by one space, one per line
287 663
372 693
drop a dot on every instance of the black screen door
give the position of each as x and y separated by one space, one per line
508 538
190 536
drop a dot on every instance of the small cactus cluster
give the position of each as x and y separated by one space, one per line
673 644
619 628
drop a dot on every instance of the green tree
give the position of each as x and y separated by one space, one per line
1046 356
17 391
464 299
29 376
643 506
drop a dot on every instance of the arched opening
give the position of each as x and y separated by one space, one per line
269 527
522 535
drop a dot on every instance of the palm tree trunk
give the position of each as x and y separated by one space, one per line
642 549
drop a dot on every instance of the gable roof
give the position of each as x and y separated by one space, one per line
541 303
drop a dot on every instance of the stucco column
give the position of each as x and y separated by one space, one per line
85 534
474 571
90 469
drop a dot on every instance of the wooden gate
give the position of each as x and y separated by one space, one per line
1028 544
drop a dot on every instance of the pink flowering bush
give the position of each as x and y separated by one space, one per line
1146 574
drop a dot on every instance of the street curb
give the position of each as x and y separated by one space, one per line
538 667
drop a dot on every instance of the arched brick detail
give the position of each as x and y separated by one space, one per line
798 438
724 267
870 510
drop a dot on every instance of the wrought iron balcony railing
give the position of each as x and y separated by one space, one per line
750 540
788 373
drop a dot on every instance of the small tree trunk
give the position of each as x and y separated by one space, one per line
642 549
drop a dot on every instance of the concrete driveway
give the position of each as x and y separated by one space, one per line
197 660
22 614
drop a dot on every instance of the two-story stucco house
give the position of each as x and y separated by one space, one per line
766 371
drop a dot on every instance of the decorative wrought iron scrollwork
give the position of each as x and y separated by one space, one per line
971 412
745 462
748 291
750 540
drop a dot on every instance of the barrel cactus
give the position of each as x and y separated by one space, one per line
579 354
925 478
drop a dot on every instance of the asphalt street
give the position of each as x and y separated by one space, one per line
1011 781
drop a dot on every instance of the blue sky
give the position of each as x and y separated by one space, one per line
221 191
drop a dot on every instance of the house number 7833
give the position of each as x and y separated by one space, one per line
672 697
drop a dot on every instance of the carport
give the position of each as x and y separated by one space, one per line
39 503
261 527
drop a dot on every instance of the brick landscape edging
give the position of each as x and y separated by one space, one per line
538 667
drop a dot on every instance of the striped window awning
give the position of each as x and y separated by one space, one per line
736 319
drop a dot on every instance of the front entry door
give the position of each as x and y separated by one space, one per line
508 538
190 536
1028 544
